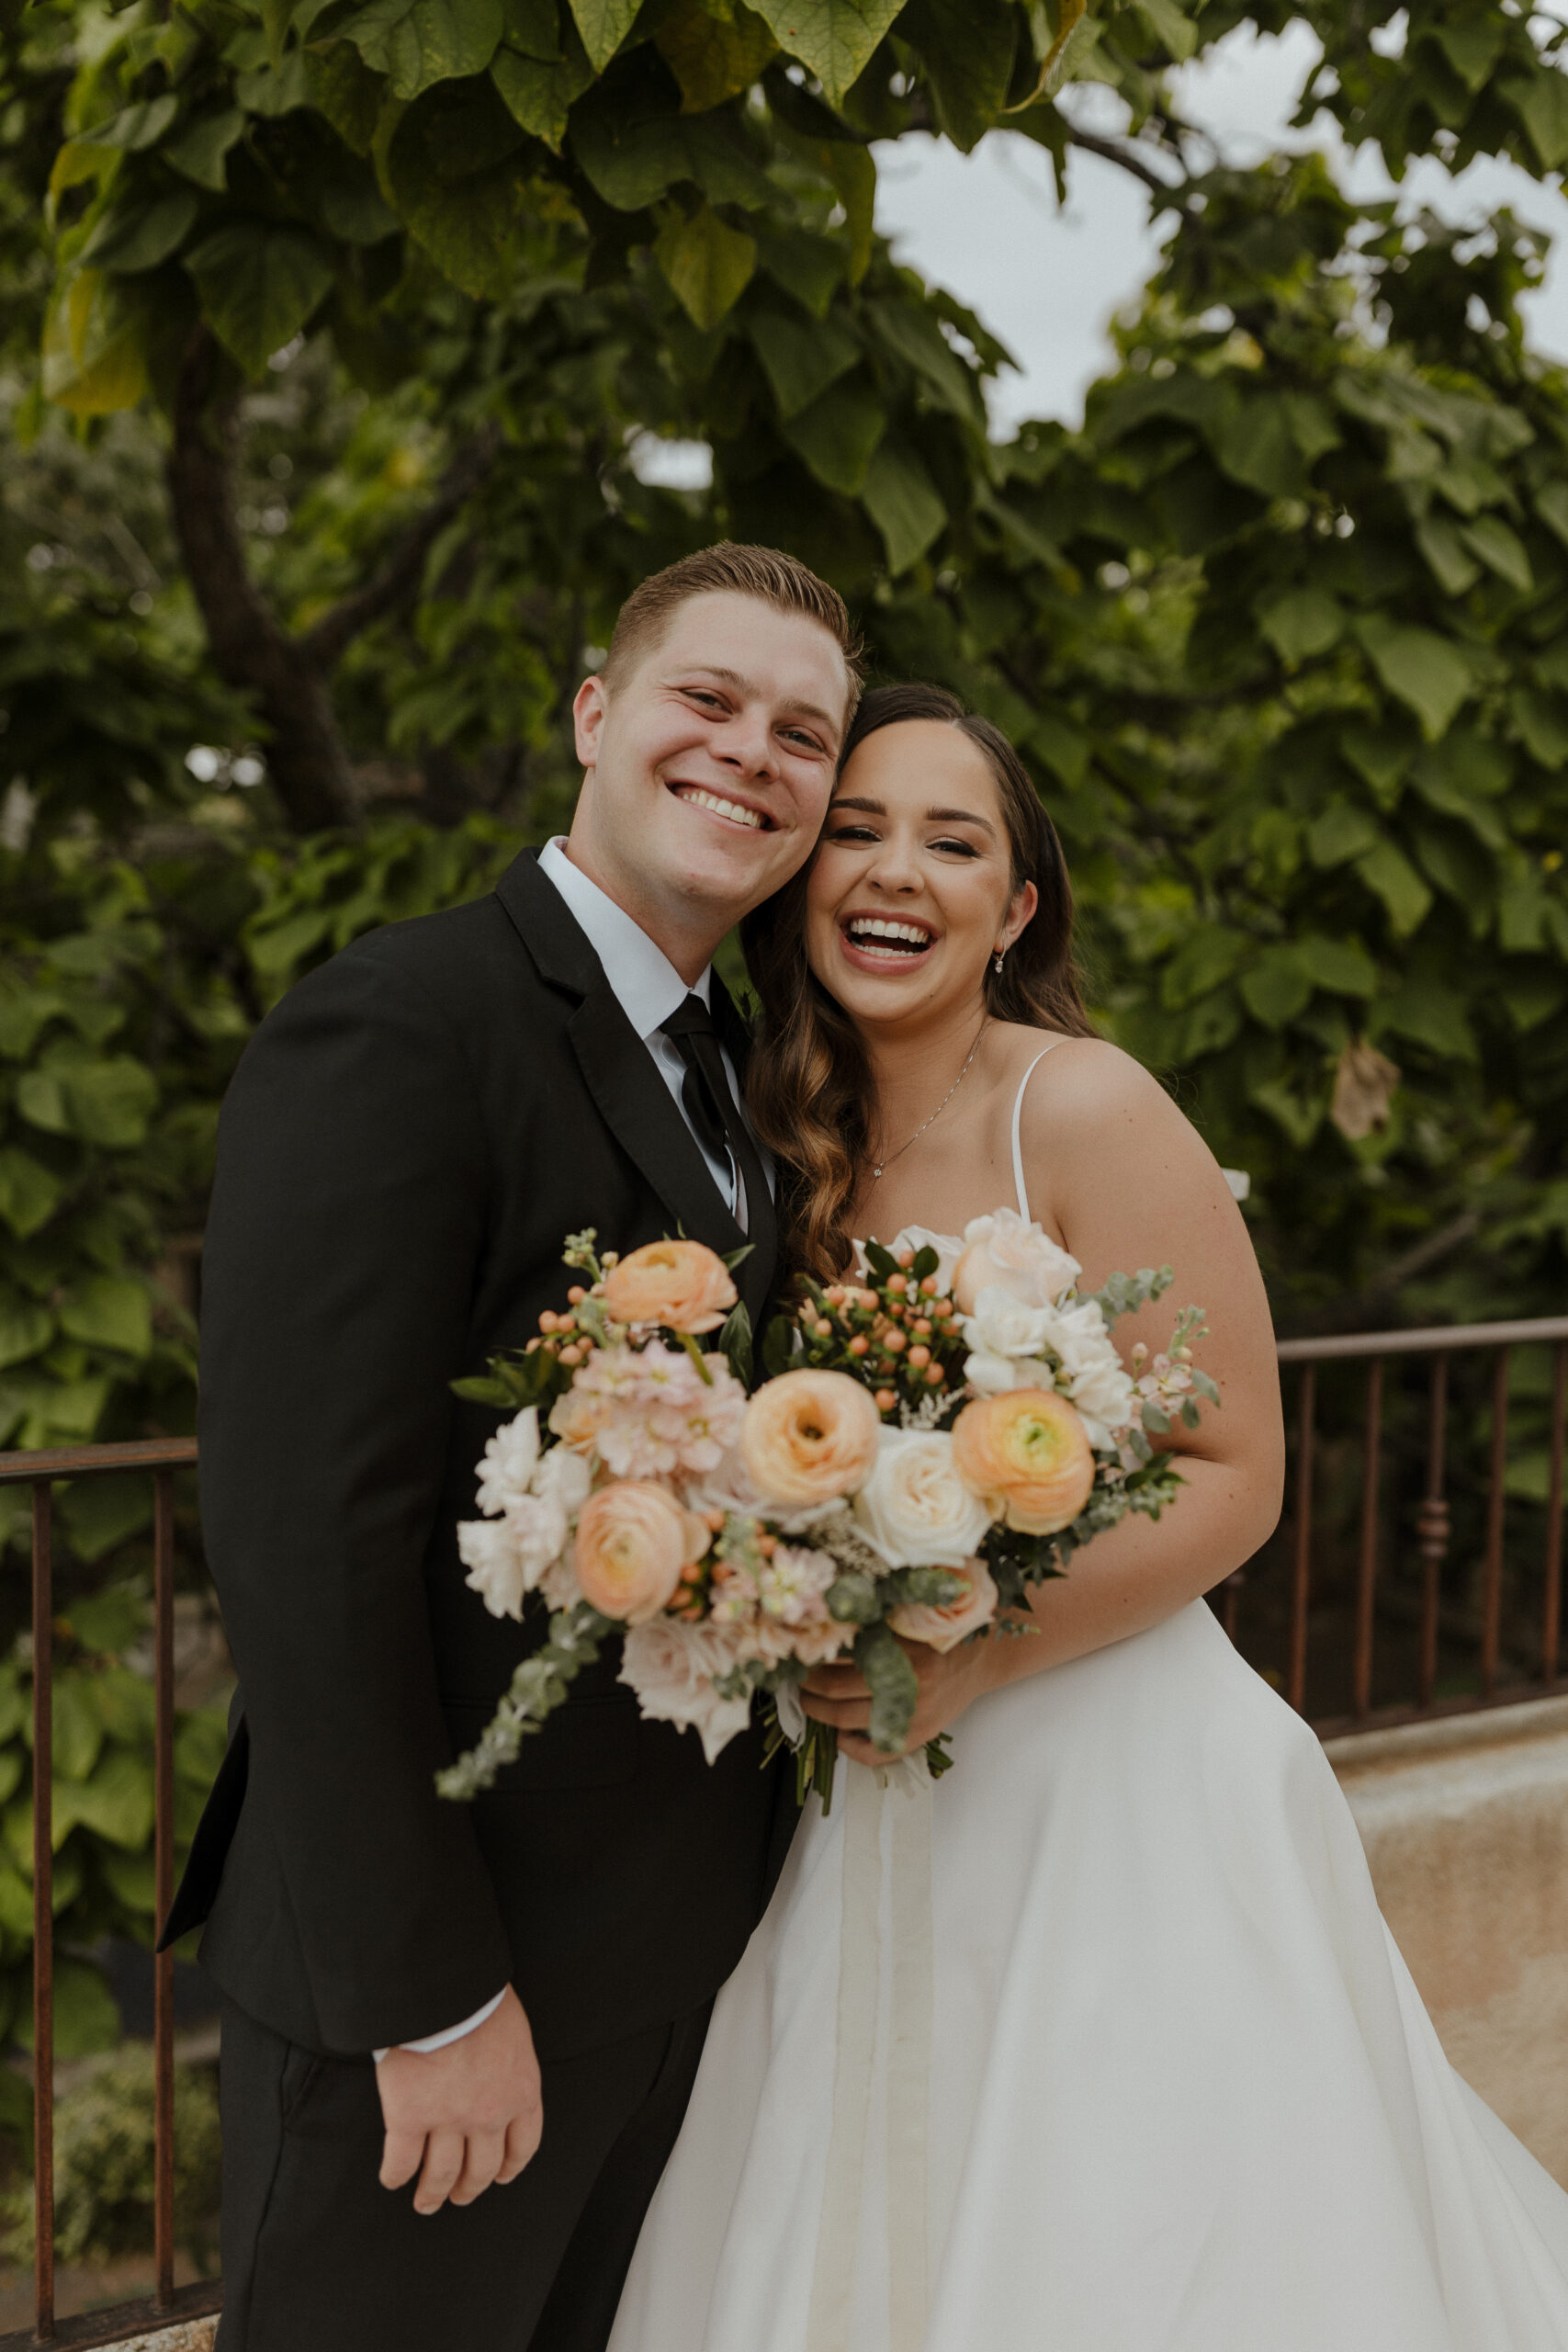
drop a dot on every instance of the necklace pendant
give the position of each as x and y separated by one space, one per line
875 1173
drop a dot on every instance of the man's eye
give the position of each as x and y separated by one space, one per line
803 741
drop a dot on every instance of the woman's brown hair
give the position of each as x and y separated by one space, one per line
807 1081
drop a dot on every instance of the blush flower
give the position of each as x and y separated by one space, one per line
672 1667
633 1540
1026 1455
942 1627
681 1285
809 1436
914 1507
1003 1250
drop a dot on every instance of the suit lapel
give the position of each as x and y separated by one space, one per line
620 1075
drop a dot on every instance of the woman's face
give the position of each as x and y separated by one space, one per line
910 891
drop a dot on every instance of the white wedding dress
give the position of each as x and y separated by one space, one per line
1099 2044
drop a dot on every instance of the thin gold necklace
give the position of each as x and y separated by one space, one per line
941 1107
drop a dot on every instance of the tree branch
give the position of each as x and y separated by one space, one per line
325 642
1113 151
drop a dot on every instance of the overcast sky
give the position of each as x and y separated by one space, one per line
1048 281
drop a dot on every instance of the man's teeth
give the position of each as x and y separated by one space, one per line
730 808
876 937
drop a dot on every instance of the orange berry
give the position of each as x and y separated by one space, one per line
868 1301
572 1354
767 1545
897 1283
885 1399
928 1285
922 1326
906 1257
919 1358
530 1348
934 1375
715 1519
860 1346
895 1342
824 1329
549 1318
577 1294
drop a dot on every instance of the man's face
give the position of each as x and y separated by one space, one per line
709 764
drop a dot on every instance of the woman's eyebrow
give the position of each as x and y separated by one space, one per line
872 808
960 817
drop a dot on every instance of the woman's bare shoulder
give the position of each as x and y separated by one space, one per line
1088 1080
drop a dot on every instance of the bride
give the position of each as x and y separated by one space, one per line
1100 2043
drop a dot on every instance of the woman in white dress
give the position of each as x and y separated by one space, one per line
1100 2043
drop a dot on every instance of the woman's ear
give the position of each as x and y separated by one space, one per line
1020 914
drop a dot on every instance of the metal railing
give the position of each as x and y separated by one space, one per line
1433 1524
161 1458
40 1470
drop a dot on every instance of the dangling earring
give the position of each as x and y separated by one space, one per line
997 964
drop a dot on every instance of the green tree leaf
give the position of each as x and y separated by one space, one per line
538 94
135 126
966 49
200 152
853 172
28 1194
109 1311
712 60
1277 986
273 90
26 1330
140 236
902 501
417 44
1342 831
1428 673
1501 549
1337 964
1446 558
1431 1014
709 264
259 285
800 359
78 1730
833 39
1540 101
1542 726
115 1803
106 1101
1301 622
603 25
836 435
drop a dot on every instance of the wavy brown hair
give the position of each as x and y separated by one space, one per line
807 1080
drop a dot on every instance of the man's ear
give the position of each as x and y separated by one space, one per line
589 709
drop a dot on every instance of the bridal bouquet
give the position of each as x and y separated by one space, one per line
929 1438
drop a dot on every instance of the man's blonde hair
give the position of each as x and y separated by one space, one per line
728 568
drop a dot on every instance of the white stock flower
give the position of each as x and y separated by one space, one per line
914 1508
509 1461
1001 1249
489 1549
671 1669
563 1477
1092 1372
989 1375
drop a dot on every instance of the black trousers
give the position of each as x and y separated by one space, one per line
319 2257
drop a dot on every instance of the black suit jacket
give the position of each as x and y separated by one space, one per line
408 1138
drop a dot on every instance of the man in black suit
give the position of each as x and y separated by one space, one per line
502 2004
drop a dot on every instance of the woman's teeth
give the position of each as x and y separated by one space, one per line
891 939
737 814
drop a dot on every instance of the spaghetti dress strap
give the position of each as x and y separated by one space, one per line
1019 1184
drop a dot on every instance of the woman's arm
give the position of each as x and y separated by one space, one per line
1121 1179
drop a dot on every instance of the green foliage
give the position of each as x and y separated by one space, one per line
103 2166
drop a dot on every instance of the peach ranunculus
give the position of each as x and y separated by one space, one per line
1003 1252
633 1540
809 1436
680 1285
1027 1455
942 1626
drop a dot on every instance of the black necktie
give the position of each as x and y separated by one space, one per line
713 1111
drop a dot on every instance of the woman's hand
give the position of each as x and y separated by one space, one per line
949 1679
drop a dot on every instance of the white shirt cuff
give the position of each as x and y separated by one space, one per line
433 2041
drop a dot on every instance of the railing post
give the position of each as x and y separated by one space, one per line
43 1913
1367 1573
1301 1582
1432 1529
1492 1588
1551 1603
163 1881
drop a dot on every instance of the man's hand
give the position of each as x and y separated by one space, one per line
950 1680
464 2116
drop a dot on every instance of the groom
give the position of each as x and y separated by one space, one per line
503 2003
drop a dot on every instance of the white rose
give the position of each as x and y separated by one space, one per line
563 1477
488 1550
509 1461
1021 1258
1003 1325
914 1507
671 1669
989 1375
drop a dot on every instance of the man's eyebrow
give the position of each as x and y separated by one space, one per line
749 686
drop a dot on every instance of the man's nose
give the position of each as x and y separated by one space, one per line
746 742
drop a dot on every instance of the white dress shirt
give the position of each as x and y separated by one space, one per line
648 989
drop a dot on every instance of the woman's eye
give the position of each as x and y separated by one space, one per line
963 849
853 834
